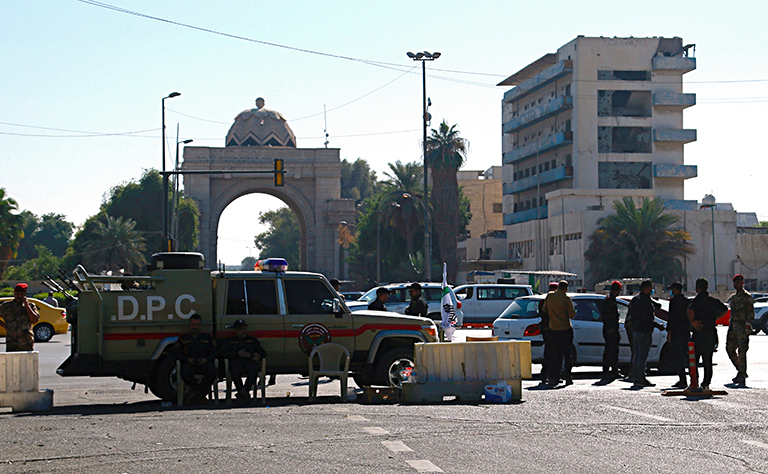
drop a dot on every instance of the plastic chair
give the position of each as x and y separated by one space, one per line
262 381
180 384
330 355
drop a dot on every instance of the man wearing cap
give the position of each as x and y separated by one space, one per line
544 328
17 317
609 313
559 306
196 351
739 329
418 305
382 295
642 310
703 313
678 331
245 354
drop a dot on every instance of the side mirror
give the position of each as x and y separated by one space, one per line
337 307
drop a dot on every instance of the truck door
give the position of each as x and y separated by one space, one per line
255 301
310 320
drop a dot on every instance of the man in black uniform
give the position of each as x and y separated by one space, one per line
642 309
679 331
544 329
196 351
382 295
609 313
245 354
418 306
703 313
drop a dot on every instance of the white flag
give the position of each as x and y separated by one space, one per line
448 311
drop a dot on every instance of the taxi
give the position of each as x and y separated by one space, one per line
52 320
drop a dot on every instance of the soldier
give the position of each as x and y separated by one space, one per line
609 313
245 354
382 295
559 306
642 310
703 313
739 329
196 352
544 328
678 331
418 306
18 315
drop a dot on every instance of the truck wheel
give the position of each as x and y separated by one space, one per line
391 365
43 332
765 325
364 379
163 383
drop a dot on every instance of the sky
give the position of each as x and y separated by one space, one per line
82 82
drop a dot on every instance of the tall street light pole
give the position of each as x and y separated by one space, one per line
166 241
424 57
708 201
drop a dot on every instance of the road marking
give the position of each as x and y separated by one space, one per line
422 465
396 446
756 443
639 413
375 430
357 418
341 409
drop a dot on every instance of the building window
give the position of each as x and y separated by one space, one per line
497 208
514 208
624 140
609 75
624 103
627 175
546 166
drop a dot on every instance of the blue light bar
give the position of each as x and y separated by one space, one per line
271 265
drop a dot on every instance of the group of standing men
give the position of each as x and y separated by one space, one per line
689 320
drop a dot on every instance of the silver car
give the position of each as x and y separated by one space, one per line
399 300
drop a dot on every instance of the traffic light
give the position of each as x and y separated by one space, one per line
279 181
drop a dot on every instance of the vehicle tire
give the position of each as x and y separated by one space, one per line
43 332
163 380
390 365
765 325
665 366
363 379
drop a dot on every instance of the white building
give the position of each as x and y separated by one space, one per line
599 120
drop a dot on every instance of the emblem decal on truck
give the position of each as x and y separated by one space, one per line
313 335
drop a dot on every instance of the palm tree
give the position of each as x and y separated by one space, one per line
117 246
11 229
401 206
446 152
638 242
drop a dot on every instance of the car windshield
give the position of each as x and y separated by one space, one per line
522 308
369 296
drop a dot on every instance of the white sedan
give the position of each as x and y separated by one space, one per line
520 321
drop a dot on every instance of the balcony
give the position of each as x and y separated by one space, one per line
681 64
525 216
538 81
673 99
675 171
539 113
674 135
542 179
541 146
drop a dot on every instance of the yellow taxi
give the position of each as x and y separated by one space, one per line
52 320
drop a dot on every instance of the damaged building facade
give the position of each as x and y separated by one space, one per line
599 120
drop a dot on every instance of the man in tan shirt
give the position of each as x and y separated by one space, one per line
559 307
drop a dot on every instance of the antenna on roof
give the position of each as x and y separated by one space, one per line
326 127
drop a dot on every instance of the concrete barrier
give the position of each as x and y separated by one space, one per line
19 383
463 369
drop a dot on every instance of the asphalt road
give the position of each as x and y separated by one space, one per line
101 425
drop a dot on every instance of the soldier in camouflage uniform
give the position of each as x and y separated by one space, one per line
739 329
18 315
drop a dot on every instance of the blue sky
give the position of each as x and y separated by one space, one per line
89 71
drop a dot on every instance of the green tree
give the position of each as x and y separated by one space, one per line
401 206
358 181
45 263
446 153
51 230
638 242
117 246
281 238
247 264
11 229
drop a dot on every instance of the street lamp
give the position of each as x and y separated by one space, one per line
166 242
175 220
424 57
708 201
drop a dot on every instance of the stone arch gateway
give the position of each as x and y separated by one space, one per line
312 185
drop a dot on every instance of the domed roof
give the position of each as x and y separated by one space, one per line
260 127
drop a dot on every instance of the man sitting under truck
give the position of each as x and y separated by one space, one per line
196 351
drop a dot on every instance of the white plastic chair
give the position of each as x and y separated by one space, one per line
330 355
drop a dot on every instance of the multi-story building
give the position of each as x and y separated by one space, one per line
599 120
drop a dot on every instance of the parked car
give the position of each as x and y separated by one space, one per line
399 300
52 320
520 321
761 318
483 303
351 295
